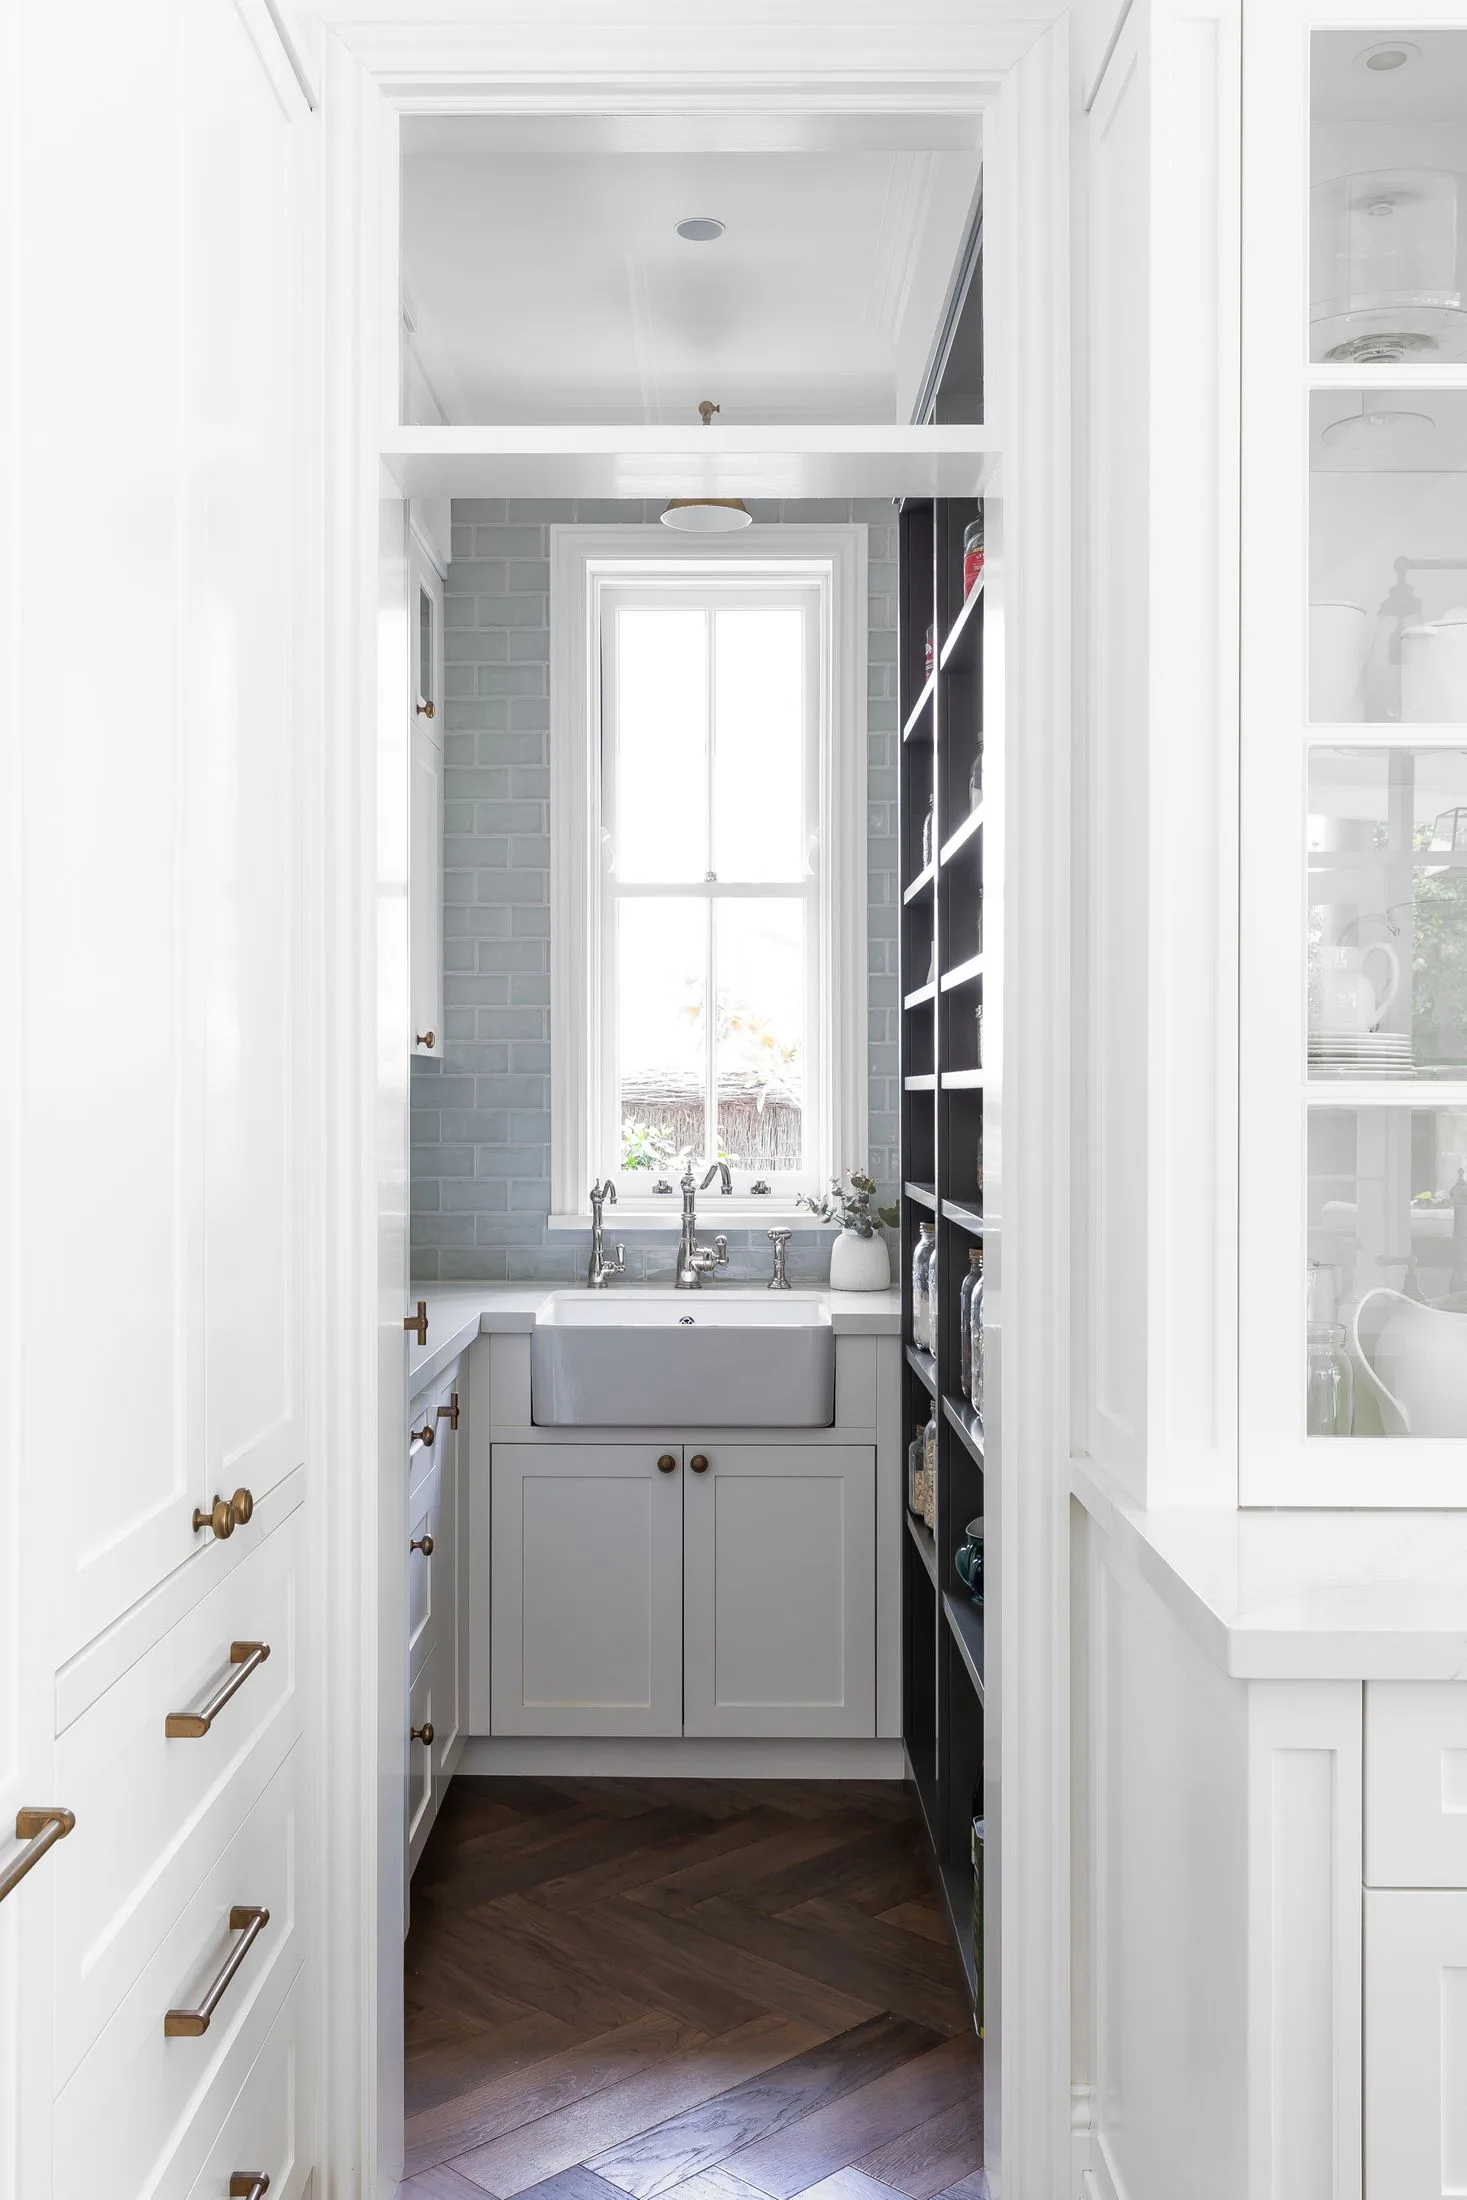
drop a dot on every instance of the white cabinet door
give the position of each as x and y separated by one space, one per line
1416 1783
587 1572
171 1152
447 1553
425 855
780 1595
1415 2044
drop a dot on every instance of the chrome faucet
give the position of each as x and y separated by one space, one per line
600 1270
694 1261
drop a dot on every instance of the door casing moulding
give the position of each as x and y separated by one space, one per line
1015 73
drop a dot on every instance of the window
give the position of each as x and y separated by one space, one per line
708 814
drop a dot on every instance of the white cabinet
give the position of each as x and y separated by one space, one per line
434 1542
691 1589
779 1631
1416 1784
1415 2043
425 853
587 1589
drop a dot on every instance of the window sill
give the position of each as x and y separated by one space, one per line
714 1213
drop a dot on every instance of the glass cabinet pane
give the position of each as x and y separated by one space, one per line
1386 1351
1387 848
1388 197
426 650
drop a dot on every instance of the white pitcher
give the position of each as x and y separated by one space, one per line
1416 1363
1348 1000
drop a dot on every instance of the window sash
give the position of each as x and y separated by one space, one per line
709 596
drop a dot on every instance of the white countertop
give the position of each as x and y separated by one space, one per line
1301 1595
457 1313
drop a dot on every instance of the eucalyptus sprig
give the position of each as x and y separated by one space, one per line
851 1210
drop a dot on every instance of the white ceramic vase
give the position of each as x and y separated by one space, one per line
859 1263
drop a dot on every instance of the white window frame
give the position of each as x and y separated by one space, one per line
584 562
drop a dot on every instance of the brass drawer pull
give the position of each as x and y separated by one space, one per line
418 1321
191 2024
423 1543
699 1462
424 1733
423 1435
244 1658
666 1464
248 2184
226 1514
40 1830
449 1413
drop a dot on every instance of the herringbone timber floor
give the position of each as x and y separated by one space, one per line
685 1990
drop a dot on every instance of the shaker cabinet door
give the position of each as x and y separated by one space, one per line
780 1591
1415 2043
587 1576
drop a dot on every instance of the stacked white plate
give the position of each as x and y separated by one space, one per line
1361 1053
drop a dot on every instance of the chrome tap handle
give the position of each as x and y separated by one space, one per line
720 1251
779 1239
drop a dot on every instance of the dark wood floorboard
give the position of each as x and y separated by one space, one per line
685 1990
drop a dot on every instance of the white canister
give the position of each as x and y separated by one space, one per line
1434 671
1337 662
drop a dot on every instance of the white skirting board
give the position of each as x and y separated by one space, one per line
672 1757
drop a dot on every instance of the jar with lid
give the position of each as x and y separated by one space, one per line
929 1446
921 1260
930 652
932 1299
971 1281
916 1471
975 1333
975 780
1330 1391
972 555
929 824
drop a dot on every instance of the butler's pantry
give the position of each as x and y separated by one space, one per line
733 1101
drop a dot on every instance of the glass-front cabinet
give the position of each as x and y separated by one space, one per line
1353 1145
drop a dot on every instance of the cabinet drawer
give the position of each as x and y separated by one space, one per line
422 1757
1416 1784
424 1524
267 2127
1415 2043
155 1812
142 2102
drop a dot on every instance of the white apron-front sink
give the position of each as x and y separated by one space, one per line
693 1359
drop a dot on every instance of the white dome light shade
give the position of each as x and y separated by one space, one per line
707 515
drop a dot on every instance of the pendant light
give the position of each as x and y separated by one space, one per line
707 515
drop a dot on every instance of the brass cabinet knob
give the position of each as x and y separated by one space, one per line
219 1519
248 2184
426 710
449 1413
423 1543
424 1733
418 1321
427 1039
699 1462
242 1505
666 1463
423 1435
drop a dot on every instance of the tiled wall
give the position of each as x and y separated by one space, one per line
481 1114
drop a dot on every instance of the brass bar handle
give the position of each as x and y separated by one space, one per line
423 1435
449 1413
248 2184
666 1464
423 1733
423 1543
699 1462
418 1321
244 1658
191 2024
40 1830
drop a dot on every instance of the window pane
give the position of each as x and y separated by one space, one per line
758 767
760 976
1387 1331
425 647
660 827
1387 912
661 963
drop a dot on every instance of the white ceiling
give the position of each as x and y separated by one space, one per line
543 273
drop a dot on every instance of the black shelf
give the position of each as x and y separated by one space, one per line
941 923
925 1541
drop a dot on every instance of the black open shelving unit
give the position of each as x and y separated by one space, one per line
943 1058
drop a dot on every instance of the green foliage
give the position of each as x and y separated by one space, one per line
851 1210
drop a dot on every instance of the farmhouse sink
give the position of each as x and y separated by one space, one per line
694 1359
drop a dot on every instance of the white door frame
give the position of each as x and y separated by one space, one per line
809 58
